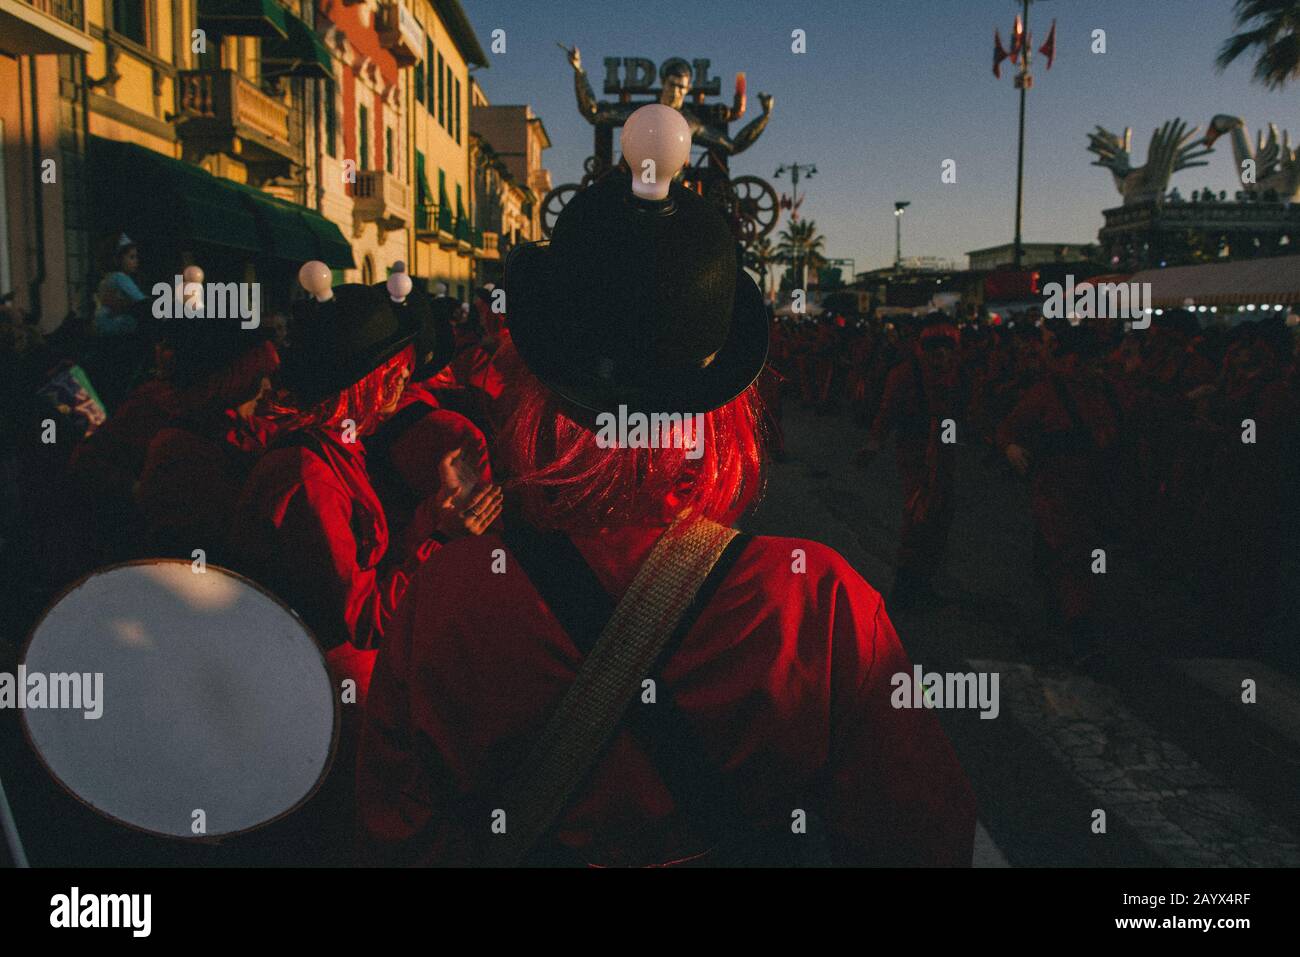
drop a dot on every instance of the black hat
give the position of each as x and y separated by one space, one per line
435 341
637 303
335 344
204 347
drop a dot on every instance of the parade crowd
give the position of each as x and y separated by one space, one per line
1175 443
420 482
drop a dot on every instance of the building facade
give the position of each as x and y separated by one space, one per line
44 243
444 237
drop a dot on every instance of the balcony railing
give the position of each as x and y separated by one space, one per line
381 197
70 12
222 104
426 219
487 244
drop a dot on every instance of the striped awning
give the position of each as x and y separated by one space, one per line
1274 281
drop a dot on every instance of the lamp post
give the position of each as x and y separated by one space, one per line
899 206
1021 50
796 170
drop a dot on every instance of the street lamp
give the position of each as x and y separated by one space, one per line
899 206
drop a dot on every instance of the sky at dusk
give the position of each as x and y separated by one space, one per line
889 89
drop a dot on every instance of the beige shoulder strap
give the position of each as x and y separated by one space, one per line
607 683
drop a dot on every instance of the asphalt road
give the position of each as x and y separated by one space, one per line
1156 737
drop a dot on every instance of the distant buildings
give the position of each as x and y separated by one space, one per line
249 136
1033 254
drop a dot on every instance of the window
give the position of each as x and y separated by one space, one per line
460 207
129 20
442 106
331 118
363 142
388 149
419 74
457 124
429 79
442 188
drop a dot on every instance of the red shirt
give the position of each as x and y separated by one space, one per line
785 677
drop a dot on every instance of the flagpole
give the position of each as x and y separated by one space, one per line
1020 155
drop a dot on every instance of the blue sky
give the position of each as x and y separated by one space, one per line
889 89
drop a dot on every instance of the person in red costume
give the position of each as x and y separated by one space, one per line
775 699
197 465
309 523
921 397
1066 435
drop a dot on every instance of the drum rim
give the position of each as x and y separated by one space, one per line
197 838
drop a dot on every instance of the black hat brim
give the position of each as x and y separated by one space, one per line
532 289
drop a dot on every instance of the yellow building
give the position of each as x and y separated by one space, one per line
43 243
439 111
196 139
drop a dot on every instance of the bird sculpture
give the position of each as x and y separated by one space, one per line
1173 147
1273 166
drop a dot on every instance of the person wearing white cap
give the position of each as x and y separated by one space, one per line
118 292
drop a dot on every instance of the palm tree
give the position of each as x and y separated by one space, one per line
762 256
1276 38
802 246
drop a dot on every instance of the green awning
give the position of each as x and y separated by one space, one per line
295 233
244 18
335 251
145 194
301 53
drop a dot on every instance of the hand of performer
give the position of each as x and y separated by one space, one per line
1018 458
766 99
460 506
575 59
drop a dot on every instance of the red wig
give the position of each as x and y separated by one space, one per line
363 402
565 480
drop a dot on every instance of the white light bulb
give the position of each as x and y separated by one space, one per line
315 277
656 144
193 274
399 286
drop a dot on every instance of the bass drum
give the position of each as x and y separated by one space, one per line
216 712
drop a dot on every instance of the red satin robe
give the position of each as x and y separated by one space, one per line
785 677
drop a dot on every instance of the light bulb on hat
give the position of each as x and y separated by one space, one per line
399 286
315 277
192 291
656 144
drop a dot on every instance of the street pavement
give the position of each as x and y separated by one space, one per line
1155 736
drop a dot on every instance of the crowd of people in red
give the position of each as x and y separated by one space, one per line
1175 441
360 468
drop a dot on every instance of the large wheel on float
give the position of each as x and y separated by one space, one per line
758 206
554 204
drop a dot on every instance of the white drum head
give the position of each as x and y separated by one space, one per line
218 713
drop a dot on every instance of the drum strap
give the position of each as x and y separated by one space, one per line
622 649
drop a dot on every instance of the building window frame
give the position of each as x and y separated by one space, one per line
148 23
442 112
363 137
328 94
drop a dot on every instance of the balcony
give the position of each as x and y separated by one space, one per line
43 26
486 245
221 112
380 197
400 34
464 234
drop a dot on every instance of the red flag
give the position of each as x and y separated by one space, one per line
1048 49
999 54
1017 38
